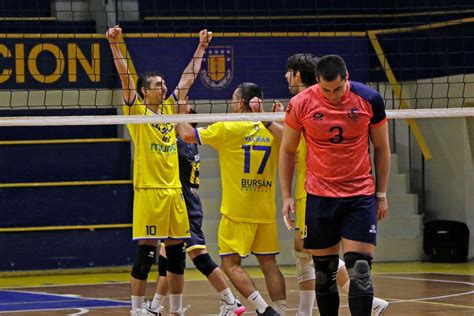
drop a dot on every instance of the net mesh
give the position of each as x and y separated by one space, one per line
418 54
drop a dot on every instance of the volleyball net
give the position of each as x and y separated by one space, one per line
55 54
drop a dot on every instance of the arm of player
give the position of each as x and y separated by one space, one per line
380 142
186 132
276 128
192 69
114 36
286 169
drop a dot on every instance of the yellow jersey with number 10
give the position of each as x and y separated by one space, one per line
248 161
155 163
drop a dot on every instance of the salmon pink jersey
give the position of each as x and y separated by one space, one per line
337 136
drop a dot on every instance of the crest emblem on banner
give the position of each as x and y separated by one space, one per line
217 67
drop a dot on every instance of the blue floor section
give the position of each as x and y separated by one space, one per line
15 301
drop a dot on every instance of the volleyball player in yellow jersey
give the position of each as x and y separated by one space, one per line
248 158
300 74
159 211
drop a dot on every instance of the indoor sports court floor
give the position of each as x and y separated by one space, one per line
411 288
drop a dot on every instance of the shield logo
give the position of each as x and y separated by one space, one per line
218 67
353 114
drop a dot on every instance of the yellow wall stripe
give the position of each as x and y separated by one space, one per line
424 27
304 17
185 35
28 18
397 89
250 34
64 141
56 228
63 184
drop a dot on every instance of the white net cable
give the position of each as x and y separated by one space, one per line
207 118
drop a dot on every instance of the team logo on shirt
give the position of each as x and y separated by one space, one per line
217 67
318 116
353 114
164 128
260 185
163 148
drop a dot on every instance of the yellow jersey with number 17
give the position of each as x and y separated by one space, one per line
155 163
248 161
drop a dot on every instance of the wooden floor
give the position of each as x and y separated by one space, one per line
427 289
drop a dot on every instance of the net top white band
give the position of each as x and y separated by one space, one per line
206 118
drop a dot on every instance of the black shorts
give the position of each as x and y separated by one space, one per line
195 215
329 219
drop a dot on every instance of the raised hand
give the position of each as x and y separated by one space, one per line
114 34
205 37
256 105
182 106
278 106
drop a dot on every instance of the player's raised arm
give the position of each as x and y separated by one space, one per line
114 36
185 130
192 69
276 128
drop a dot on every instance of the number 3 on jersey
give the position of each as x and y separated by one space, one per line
248 149
338 137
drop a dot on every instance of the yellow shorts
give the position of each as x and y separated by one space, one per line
300 209
243 238
159 214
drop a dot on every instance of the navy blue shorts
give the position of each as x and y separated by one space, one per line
329 219
195 215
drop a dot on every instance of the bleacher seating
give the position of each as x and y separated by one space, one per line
47 26
288 16
25 8
57 178
23 16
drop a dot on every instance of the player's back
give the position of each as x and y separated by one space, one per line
248 160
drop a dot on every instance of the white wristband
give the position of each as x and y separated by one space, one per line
381 194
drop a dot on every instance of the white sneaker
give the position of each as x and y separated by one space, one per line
147 310
136 312
379 306
231 309
184 309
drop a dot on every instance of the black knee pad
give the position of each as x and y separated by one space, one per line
204 264
144 260
359 269
176 258
162 262
326 271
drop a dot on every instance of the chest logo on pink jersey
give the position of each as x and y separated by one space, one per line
353 114
318 116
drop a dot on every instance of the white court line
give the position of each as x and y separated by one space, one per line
429 280
82 311
58 309
432 297
79 284
380 275
67 296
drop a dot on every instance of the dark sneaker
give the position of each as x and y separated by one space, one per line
269 311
